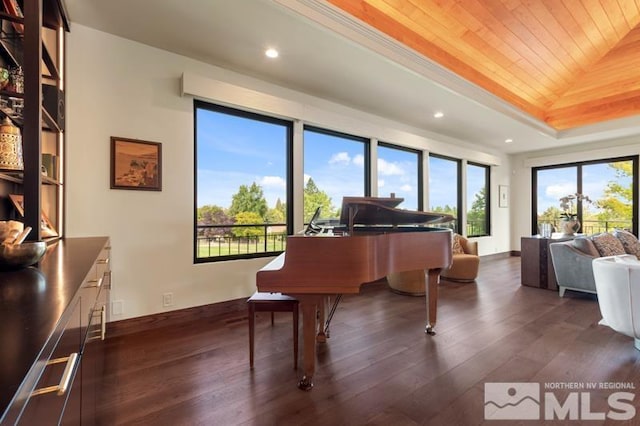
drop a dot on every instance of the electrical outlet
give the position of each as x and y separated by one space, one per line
117 307
167 299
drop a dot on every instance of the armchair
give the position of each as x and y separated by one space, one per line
617 280
464 267
465 260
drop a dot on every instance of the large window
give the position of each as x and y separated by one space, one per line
477 200
335 165
445 193
242 207
610 185
399 172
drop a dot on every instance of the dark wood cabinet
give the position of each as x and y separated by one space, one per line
53 320
57 395
536 263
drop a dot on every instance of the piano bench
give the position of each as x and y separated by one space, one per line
272 302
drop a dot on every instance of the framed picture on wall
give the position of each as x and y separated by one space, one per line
503 196
136 164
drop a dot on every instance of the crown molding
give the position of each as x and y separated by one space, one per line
332 18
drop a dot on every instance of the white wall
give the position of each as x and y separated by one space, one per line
116 87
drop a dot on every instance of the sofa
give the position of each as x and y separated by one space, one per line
572 259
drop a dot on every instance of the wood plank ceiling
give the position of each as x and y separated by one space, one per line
568 63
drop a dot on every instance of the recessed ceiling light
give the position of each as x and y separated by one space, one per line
438 114
271 53
508 140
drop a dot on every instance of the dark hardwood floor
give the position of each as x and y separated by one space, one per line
378 367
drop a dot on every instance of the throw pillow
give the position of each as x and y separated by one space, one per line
585 245
607 244
629 242
456 245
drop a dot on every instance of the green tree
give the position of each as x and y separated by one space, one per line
445 209
248 218
249 199
617 201
212 215
314 198
275 215
282 208
476 216
551 215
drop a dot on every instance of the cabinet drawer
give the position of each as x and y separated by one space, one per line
51 395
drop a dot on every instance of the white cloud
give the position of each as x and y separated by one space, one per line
340 158
306 178
386 168
406 188
273 181
560 190
380 183
358 160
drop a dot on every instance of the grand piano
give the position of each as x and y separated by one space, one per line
374 239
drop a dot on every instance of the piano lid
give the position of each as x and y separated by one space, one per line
383 211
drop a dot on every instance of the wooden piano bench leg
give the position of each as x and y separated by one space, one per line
272 302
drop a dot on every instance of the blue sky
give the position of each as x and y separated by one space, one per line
228 156
559 182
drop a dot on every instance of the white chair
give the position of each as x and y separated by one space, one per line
618 285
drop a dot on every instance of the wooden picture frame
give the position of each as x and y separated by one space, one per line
503 196
46 226
136 164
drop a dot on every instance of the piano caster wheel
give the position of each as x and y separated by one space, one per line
429 330
305 384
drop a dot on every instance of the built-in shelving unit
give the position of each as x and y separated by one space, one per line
34 42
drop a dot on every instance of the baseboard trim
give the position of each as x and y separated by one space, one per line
503 255
163 319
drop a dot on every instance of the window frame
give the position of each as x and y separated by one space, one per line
579 164
458 162
420 170
487 199
288 125
334 133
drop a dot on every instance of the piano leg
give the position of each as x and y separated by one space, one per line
309 306
431 282
321 337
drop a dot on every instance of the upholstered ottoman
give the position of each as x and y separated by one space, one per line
411 283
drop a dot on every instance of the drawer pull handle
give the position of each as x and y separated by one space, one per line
97 281
103 261
102 334
103 319
61 387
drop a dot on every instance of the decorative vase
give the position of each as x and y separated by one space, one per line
569 226
10 146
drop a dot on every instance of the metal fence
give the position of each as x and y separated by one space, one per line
590 227
219 240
